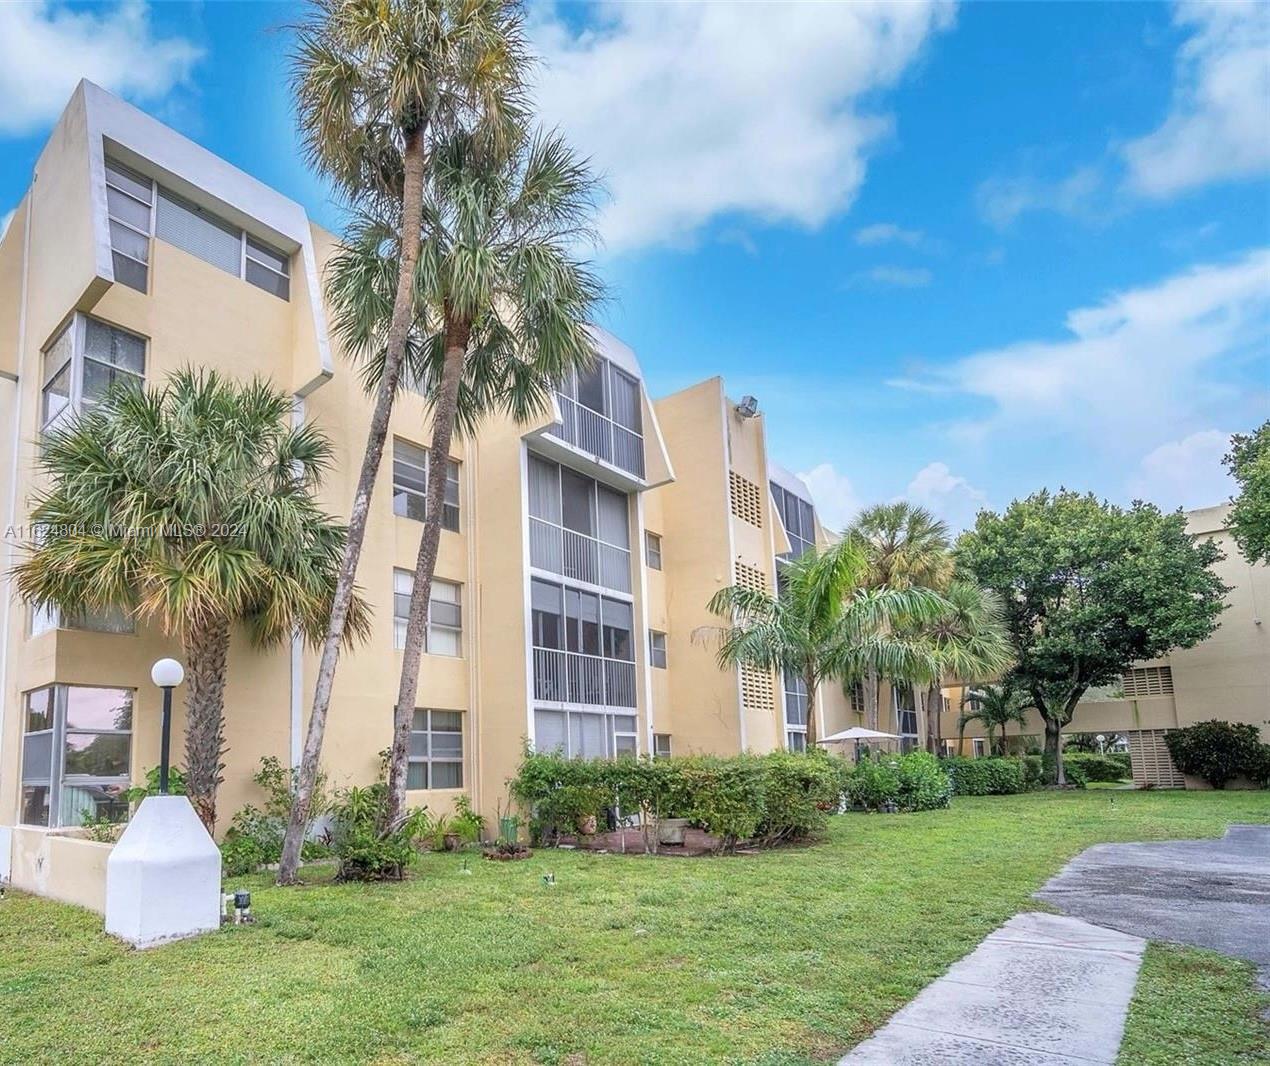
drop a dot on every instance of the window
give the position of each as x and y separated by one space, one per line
601 413
436 750
798 517
445 614
652 550
266 268
113 621
410 485
76 754
657 649
83 362
129 210
661 745
583 648
578 528
796 709
905 716
979 747
585 734
855 695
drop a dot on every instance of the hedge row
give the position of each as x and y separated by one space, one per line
913 782
766 798
1098 767
1220 751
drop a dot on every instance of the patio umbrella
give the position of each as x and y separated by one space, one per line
857 733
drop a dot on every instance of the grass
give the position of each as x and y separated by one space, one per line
1195 1008
786 957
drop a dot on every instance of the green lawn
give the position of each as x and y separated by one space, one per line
1195 1008
785 957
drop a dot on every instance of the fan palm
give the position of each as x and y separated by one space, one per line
502 303
969 641
376 82
906 547
995 707
826 622
190 507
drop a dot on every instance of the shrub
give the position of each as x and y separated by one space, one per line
1219 752
1075 774
367 849
254 836
1097 767
771 798
176 784
988 777
913 782
1032 767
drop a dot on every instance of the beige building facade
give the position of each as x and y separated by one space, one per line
576 561
1226 677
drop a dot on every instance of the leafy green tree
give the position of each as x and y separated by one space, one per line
995 707
191 507
1249 464
377 83
906 547
970 643
1090 588
827 622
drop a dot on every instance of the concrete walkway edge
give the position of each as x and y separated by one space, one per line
1042 989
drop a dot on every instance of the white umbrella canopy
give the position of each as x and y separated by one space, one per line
857 732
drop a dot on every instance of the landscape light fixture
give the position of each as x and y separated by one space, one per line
167 674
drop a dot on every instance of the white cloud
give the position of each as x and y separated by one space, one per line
46 48
834 495
1140 360
888 233
1185 473
695 111
1219 125
946 495
1002 200
895 276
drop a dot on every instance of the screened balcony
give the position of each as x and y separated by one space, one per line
578 528
601 414
583 648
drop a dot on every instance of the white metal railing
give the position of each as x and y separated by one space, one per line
575 555
571 677
599 435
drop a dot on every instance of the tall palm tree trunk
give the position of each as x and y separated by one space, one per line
206 649
934 713
443 416
872 699
402 309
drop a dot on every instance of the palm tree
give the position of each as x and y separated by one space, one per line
376 82
907 547
502 303
190 507
995 706
826 622
970 642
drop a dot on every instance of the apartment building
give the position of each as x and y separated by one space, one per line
1226 677
576 561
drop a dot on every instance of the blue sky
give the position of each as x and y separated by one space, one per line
958 253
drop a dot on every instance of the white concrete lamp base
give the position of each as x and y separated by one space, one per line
163 877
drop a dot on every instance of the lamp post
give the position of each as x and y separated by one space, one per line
167 674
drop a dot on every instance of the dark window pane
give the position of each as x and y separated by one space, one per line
97 754
114 346
129 272
591 387
417 775
270 257
447 722
578 509
128 241
39 710
35 805
447 775
127 209
264 278
129 180
80 802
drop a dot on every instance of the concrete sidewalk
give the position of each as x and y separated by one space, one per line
1043 989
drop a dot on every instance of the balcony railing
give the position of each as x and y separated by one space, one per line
599 435
575 555
571 677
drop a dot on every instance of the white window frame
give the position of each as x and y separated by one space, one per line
430 759
148 233
403 589
652 550
662 746
657 649
978 747
77 327
617 741
451 513
59 780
